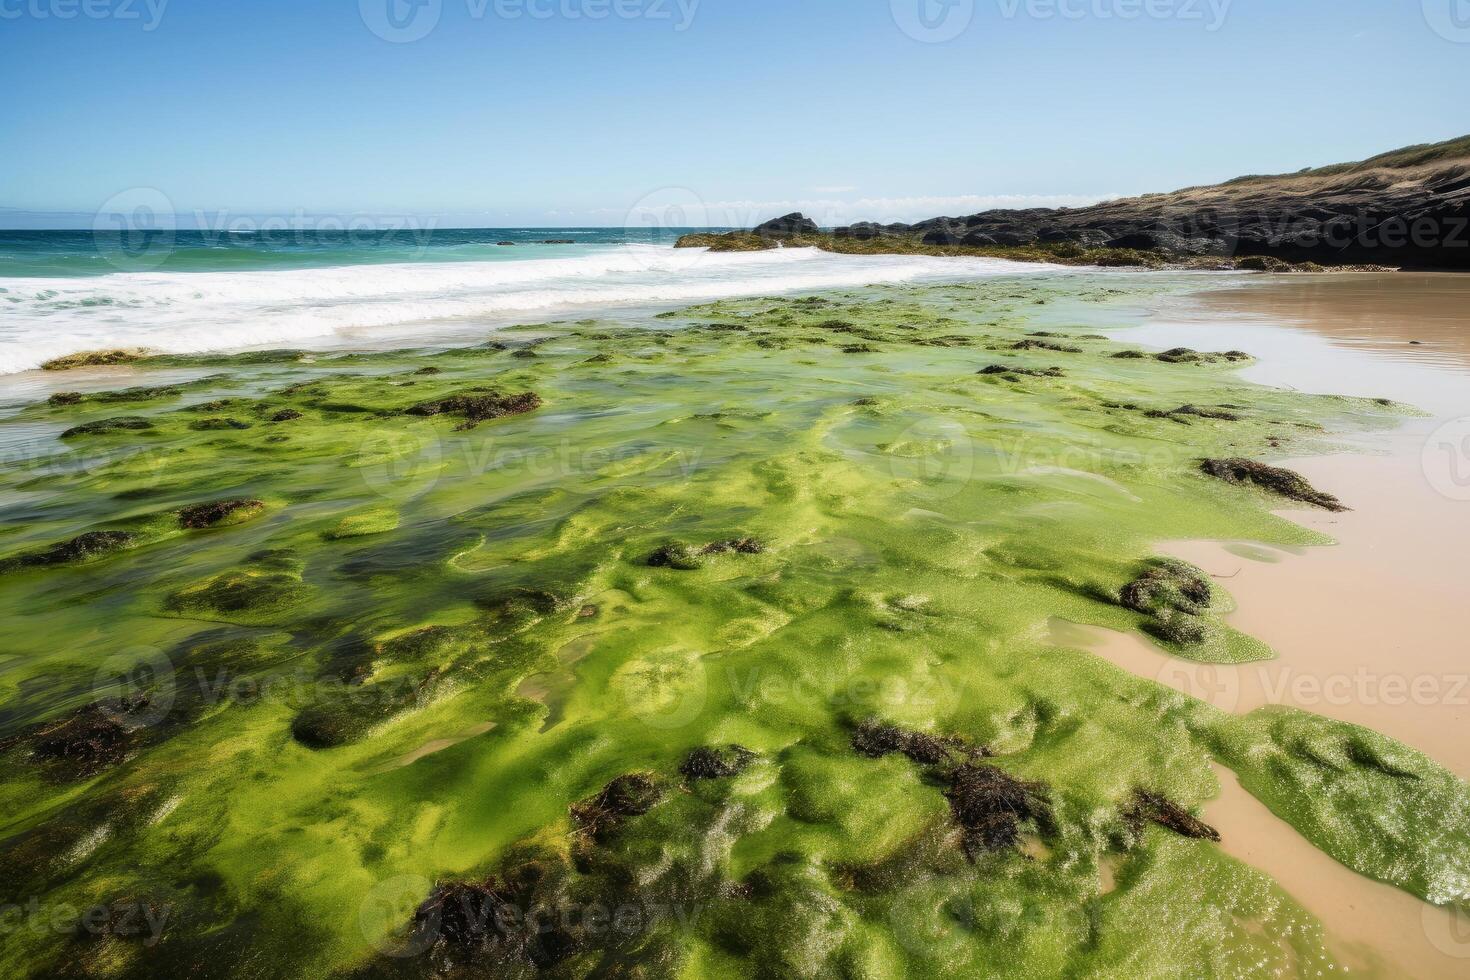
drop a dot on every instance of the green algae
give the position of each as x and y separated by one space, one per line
702 558
1377 806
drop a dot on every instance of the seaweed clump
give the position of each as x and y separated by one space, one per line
1051 372
477 407
92 358
120 423
1147 807
1176 596
220 424
632 795
686 557
268 584
990 806
876 739
83 547
347 717
1184 355
485 924
707 762
219 512
1046 345
87 741
1282 482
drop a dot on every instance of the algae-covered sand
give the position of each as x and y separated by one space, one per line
712 644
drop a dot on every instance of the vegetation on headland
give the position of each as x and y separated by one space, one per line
727 653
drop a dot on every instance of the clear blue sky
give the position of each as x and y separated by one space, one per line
278 106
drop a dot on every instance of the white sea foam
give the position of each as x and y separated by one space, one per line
191 312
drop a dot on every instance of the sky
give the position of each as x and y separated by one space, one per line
506 113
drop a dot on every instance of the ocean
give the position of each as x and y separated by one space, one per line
193 291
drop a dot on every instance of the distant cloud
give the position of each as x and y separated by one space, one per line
685 208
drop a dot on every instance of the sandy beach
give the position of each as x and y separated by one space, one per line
1369 629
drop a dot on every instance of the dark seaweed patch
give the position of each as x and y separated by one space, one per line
620 800
216 512
83 547
1156 808
87 741
686 557
1050 372
1282 482
707 762
477 407
991 805
121 423
218 425
1045 345
876 739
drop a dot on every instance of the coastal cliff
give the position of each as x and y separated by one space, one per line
1408 209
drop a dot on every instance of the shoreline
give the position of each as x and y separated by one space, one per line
1366 629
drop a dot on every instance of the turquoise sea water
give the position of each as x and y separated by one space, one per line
84 253
186 292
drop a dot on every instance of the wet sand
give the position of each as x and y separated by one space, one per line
1370 630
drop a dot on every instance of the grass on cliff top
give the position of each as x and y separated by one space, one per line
449 660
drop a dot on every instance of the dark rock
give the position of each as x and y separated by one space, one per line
786 226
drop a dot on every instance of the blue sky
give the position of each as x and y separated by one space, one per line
512 112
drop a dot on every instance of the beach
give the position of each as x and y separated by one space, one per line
871 615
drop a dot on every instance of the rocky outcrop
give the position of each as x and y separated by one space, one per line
1409 208
795 223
